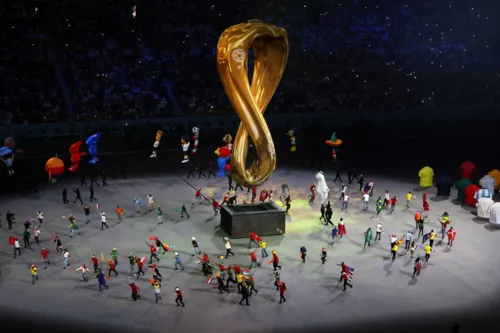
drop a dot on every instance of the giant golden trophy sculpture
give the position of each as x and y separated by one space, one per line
270 48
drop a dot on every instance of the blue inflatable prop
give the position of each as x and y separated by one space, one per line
7 156
92 143
5 152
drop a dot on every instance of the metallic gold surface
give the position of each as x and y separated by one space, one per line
270 48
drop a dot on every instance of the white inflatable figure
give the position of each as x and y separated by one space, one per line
321 187
483 193
185 143
494 211
483 207
488 182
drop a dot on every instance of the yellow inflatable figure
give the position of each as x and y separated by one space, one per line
495 174
426 175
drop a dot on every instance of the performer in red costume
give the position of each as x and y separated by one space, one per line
95 262
451 236
76 156
253 238
345 269
263 195
197 197
254 193
275 261
313 193
216 206
467 169
226 198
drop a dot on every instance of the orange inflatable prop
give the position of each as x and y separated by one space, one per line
55 168
334 142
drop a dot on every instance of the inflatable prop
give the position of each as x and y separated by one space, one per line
293 141
224 155
426 175
321 187
334 143
467 170
495 213
460 186
92 143
55 168
443 185
156 144
7 154
11 144
483 207
483 193
76 156
196 138
495 174
228 140
185 148
488 182
470 195
270 46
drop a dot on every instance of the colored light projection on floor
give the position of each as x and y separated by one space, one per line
303 217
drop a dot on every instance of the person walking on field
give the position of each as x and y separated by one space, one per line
417 267
408 237
179 297
323 256
451 236
227 245
428 250
119 213
135 291
378 231
45 257
282 287
368 237
303 253
347 279
34 273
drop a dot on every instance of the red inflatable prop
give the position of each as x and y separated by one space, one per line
467 170
76 156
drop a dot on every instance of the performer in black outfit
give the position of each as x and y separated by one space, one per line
93 180
190 171
92 198
337 176
78 195
65 196
210 170
200 170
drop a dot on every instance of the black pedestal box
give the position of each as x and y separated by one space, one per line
265 219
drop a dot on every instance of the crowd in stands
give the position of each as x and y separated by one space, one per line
105 60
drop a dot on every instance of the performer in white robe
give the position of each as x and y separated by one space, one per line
494 211
483 193
488 182
321 187
483 207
